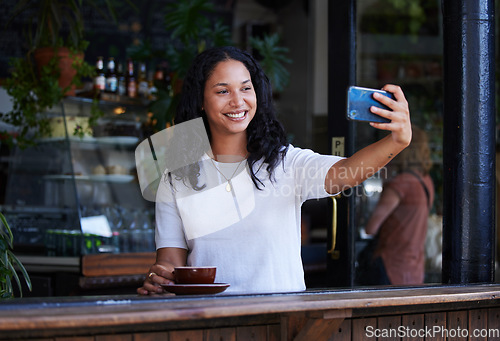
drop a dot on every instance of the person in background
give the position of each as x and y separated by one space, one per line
239 207
399 221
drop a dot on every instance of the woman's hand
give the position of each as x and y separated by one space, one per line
162 272
400 124
158 275
366 162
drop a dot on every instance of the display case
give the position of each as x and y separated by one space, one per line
72 195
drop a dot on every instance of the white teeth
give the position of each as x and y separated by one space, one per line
239 115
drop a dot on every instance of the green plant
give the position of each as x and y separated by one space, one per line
34 93
400 17
272 57
9 262
192 32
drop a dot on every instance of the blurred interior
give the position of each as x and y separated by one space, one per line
398 42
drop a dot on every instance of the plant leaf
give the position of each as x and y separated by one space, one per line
272 59
16 262
10 237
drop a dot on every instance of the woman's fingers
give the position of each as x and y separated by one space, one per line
162 274
157 276
400 124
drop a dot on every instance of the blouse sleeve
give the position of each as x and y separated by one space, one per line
310 170
169 228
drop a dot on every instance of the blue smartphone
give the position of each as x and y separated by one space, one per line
359 101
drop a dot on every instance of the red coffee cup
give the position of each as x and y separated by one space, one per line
194 274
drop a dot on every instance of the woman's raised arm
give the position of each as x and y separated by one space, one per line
355 169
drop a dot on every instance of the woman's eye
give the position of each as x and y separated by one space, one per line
222 92
247 88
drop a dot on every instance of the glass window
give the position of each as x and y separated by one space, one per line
400 42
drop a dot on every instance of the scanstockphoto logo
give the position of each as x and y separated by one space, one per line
363 172
373 185
430 332
302 180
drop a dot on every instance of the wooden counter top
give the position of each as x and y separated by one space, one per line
62 316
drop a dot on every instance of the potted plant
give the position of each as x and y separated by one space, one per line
51 69
9 262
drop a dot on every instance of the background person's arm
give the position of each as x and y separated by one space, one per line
387 203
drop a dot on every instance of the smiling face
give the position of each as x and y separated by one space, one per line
229 99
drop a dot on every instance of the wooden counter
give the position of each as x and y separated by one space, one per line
311 315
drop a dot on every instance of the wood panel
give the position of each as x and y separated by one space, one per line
274 332
318 329
114 337
390 325
159 336
343 332
478 321
457 321
413 323
436 322
220 334
494 323
251 333
109 264
291 325
362 329
30 339
185 335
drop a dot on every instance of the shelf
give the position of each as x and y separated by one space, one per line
118 140
64 177
113 178
50 264
125 141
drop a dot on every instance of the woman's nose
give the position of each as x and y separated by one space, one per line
236 99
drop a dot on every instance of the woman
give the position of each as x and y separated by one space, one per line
250 186
400 217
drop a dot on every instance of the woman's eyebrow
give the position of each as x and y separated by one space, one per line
220 84
226 84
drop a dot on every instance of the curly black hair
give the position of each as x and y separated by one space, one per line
266 137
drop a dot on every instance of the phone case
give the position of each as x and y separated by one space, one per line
359 101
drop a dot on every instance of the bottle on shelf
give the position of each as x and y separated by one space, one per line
121 87
111 77
131 80
100 78
152 90
142 81
162 79
159 76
